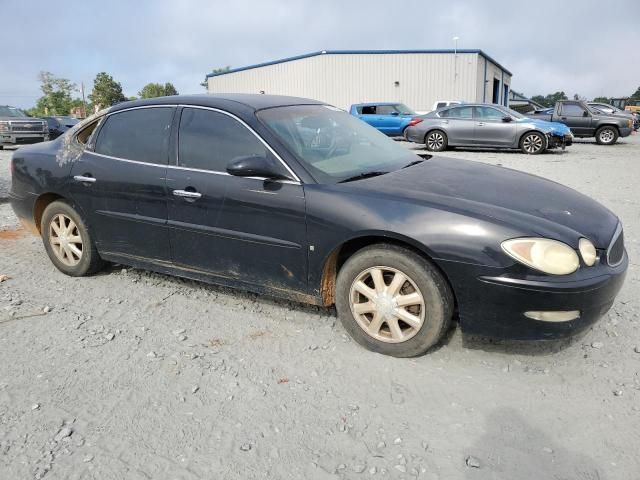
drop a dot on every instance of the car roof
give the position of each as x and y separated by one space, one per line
221 100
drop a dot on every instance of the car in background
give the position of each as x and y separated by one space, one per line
585 122
17 128
390 118
487 125
227 189
445 103
59 125
612 110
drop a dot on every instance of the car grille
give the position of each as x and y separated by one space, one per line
26 127
615 252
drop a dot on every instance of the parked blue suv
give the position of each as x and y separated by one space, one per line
389 118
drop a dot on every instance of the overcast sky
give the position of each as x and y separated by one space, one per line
588 47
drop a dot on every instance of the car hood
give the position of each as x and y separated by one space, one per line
554 128
527 203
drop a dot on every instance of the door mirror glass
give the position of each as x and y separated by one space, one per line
255 166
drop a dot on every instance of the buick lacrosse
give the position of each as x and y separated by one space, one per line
295 198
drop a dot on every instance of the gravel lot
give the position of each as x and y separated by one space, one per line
135 375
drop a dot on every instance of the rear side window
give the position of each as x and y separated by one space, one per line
572 110
209 140
140 134
368 110
385 109
458 112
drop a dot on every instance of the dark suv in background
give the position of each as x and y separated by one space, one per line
59 125
16 128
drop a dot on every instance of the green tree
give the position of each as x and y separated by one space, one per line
636 94
601 100
56 98
215 71
106 91
549 100
151 90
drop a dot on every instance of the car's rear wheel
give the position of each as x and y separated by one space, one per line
67 240
436 141
533 143
393 301
606 135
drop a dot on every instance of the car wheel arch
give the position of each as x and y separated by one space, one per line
47 198
341 253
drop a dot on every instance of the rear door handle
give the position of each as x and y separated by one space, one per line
83 179
186 194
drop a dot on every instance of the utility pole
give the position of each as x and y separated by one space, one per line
455 58
84 102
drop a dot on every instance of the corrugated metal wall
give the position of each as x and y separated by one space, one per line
344 79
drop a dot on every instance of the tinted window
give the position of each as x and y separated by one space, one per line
368 110
440 105
141 134
52 123
385 109
572 110
210 140
458 112
488 113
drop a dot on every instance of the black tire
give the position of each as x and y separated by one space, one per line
533 143
438 299
436 141
606 135
89 261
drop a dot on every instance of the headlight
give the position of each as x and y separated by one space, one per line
4 126
588 252
548 256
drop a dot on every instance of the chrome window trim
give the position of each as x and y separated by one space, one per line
242 122
616 234
175 167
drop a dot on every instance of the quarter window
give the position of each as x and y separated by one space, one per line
141 134
209 140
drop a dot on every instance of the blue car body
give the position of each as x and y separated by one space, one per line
388 117
554 128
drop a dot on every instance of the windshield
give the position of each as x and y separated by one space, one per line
11 112
333 145
404 110
68 121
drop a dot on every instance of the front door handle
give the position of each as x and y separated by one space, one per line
84 179
186 194
480 124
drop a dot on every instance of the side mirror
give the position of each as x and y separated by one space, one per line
585 114
395 114
255 166
506 118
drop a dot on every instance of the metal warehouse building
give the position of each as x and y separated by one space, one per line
417 78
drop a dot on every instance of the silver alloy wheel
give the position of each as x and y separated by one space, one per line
65 240
435 141
387 304
606 136
532 143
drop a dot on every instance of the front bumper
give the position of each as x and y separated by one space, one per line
13 138
493 304
559 141
625 131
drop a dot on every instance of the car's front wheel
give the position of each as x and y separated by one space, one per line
67 240
533 143
606 135
436 141
393 301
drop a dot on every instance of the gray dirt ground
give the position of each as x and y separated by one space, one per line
143 376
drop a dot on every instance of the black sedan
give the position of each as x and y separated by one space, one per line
59 125
298 199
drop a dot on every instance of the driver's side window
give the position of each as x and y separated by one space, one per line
572 110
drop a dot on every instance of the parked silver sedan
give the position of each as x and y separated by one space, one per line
489 126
